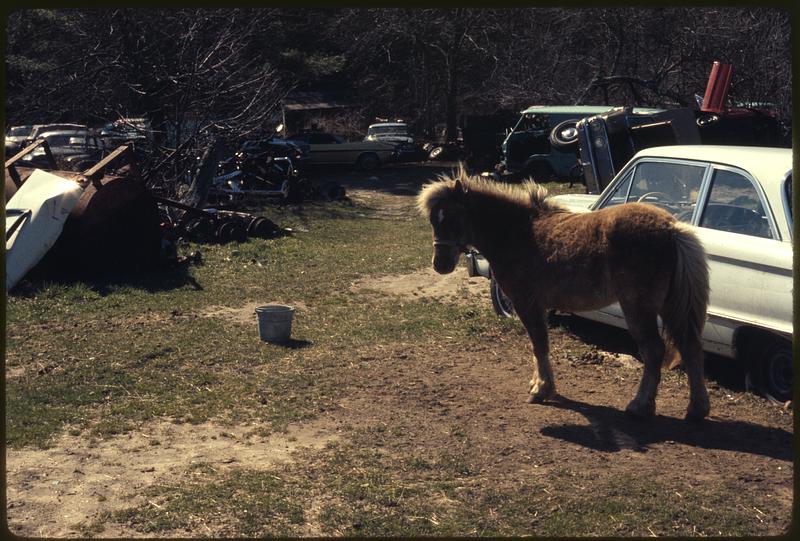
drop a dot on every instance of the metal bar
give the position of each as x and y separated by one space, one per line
14 174
93 171
18 156
50 159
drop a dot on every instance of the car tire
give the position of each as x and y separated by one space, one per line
231 230
772 370
500 301
368 161
565 135
436 153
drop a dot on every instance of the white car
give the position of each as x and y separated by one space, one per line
740 201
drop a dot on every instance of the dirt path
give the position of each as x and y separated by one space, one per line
437 396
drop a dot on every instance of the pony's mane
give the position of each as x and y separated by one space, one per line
526 195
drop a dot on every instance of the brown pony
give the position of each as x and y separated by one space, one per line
545 257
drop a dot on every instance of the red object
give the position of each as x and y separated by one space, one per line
719 82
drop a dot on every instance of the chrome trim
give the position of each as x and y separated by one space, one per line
751 265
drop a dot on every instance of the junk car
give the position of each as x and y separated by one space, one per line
16 136
528 150
330 149
739 201
73 150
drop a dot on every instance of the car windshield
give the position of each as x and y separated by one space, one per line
20 131
66 140
671 186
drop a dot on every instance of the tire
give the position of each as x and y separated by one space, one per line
436 153
231 230
368 161
772 370
501 303
707 120
564 136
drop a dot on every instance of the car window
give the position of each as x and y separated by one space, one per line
19 131
321 139
734 205
620 194
788 188
672 186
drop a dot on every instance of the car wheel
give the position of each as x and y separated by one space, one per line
564 135
231 230
436 153
368 161
500 301
773 370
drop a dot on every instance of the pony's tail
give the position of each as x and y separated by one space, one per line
684 311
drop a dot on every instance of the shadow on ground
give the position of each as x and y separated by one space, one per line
724 371
612 430
153 279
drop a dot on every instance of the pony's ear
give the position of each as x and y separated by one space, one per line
460 187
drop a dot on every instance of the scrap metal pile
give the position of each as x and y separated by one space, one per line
105 218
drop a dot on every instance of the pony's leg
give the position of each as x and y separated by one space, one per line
699 405
643 326
542 385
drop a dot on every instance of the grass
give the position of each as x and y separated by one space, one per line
100 358
111 354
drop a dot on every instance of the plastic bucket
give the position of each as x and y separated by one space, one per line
275 322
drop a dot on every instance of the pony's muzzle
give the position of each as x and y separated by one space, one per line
445 258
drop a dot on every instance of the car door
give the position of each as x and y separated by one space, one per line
750 264
327 148
670 184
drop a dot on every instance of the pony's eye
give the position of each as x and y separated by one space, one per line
440 215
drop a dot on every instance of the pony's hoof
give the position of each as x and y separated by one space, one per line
696 415
638 410
541 394
535 399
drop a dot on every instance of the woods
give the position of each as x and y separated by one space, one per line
223 73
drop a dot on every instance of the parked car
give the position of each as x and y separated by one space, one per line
391 132
398 134
73 150
16 136
606 142
330 149
125 130
527 149
739 201
40 129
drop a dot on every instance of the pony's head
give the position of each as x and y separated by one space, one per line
444 204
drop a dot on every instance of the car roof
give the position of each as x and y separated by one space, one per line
581 109
765 162
46 134
389 125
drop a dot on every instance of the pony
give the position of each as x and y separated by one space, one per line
545 257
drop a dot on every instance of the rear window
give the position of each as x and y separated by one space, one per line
19 131
387 130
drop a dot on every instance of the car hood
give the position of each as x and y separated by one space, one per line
399 138
575 202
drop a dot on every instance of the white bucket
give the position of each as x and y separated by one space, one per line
275 322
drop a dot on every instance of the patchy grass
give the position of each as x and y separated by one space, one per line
106 356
